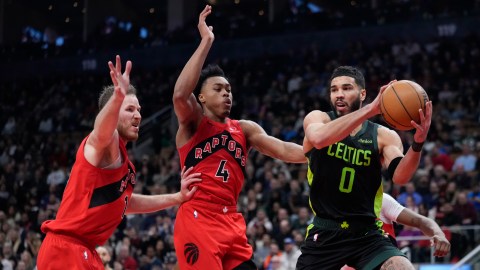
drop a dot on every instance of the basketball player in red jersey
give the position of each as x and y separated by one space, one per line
99 191
209 233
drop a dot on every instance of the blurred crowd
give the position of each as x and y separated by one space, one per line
232 20
43 120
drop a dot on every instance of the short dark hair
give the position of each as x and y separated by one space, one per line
350 72
211 70
107 93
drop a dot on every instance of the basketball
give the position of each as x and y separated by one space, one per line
400 102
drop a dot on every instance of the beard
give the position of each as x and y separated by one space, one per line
355 105
127 136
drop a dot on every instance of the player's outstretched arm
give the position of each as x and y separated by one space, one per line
184 102
151 203
104 134
271 146
106 121
429 228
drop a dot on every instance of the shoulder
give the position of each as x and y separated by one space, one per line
249 127
387 136
317 116
317 113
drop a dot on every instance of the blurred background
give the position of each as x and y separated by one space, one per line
278 56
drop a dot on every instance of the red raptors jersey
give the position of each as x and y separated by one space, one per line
94 200
219 152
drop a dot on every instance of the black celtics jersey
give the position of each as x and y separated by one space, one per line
345 177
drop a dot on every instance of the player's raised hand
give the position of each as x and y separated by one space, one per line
120 81
376 102
205 30
421 131
187 180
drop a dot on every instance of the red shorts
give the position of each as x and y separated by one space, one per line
210 236
65 252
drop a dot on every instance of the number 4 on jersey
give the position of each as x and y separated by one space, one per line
222 172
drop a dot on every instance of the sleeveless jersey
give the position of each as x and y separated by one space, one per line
345 177
390 211
94 200
219 152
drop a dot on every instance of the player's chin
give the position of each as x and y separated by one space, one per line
226 113
341 110
132 136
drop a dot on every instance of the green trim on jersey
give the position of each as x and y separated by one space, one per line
378 201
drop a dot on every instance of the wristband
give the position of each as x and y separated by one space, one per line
417 147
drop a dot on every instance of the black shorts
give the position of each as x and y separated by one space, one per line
326 248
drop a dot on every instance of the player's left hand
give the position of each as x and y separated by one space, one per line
375 104
187 180
120 81
424 125
441 245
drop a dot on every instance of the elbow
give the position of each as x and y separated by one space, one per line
178 96
318 141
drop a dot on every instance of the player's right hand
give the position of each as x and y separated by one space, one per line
205 30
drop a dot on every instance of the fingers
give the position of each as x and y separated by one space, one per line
114 79
429 109
205 12
441 246
192 179
185 172
110 65
188 178
385 86
118 64
190 193
128 68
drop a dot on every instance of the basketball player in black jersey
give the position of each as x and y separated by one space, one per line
346 154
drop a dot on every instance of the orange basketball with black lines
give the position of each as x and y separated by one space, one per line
400 102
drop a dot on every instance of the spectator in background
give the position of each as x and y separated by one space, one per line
9 127
440 157
465 209
466 161
302 220
5 263
170 261
262 248
57 176
261 219
290 254
105 254
448 217
274 254
474 197
125 257
409 192
410 204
